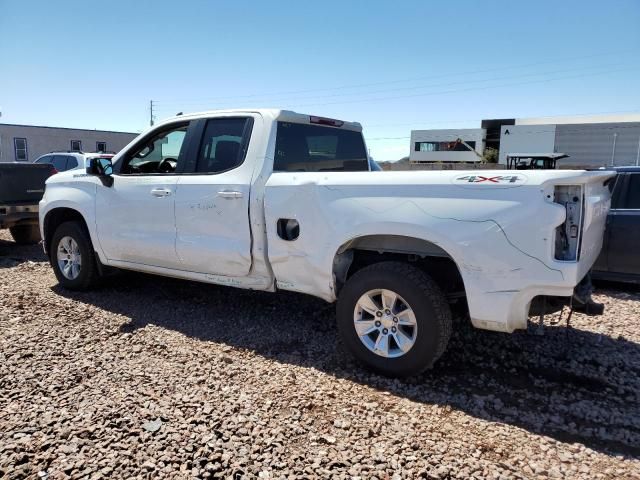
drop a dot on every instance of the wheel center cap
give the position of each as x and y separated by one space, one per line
387 321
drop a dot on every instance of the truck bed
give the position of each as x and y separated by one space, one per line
21 188
22 183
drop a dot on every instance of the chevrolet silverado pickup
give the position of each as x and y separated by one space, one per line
21 188
276 200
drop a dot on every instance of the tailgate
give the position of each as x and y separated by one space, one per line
586 198
23 184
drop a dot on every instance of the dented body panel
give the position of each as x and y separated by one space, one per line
500 235
500 228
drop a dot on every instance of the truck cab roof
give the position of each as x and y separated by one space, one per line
273 114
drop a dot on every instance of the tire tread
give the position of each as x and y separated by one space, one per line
430 290
89 277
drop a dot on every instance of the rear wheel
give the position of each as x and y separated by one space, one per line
394 318
72 257
25 234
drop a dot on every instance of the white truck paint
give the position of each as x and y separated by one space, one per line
500 228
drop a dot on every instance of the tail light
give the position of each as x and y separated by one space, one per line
52 170
567 241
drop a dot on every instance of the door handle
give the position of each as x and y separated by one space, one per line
160 192
230 194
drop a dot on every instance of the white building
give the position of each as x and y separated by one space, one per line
590 141
25 143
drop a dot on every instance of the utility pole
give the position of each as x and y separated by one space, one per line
613 150
151 115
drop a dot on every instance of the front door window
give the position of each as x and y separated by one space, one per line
157 154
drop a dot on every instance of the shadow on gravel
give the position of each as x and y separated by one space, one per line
581 387
12 254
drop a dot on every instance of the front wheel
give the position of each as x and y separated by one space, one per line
394 318
72 257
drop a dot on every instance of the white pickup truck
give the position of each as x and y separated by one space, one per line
275 200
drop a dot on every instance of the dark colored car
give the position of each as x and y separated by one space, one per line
620 256
21 188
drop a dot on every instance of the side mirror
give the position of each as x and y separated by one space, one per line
101 168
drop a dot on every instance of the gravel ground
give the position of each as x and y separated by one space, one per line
158 378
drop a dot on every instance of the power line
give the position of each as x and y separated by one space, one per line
418 87
444 92
470 72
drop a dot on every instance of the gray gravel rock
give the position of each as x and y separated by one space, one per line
156 378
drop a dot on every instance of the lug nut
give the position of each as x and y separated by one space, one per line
385 331
395 319
378 313
387 311
378 323
393 329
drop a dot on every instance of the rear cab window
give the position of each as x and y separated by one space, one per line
314 148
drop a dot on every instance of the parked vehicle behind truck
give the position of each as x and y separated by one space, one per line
620 256
276 200
63 161
21 188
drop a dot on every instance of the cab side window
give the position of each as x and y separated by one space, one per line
223 144
158 153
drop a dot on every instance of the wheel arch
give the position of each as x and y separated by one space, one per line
57 216
365 250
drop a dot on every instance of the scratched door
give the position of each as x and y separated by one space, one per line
135 220
212 201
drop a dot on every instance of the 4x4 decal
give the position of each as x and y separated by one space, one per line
493 179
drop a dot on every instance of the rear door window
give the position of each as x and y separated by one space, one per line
313 148
72 162
60 162
224 144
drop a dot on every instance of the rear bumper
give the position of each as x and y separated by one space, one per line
11 215
509 311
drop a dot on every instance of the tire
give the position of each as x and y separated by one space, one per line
87 273
425 300
25 234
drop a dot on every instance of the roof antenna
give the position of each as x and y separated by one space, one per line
178 114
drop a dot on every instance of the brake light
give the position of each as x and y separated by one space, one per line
326 121
52 170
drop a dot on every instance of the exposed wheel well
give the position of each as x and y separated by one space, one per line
429 257
55 218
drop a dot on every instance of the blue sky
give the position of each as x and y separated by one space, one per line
393 66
